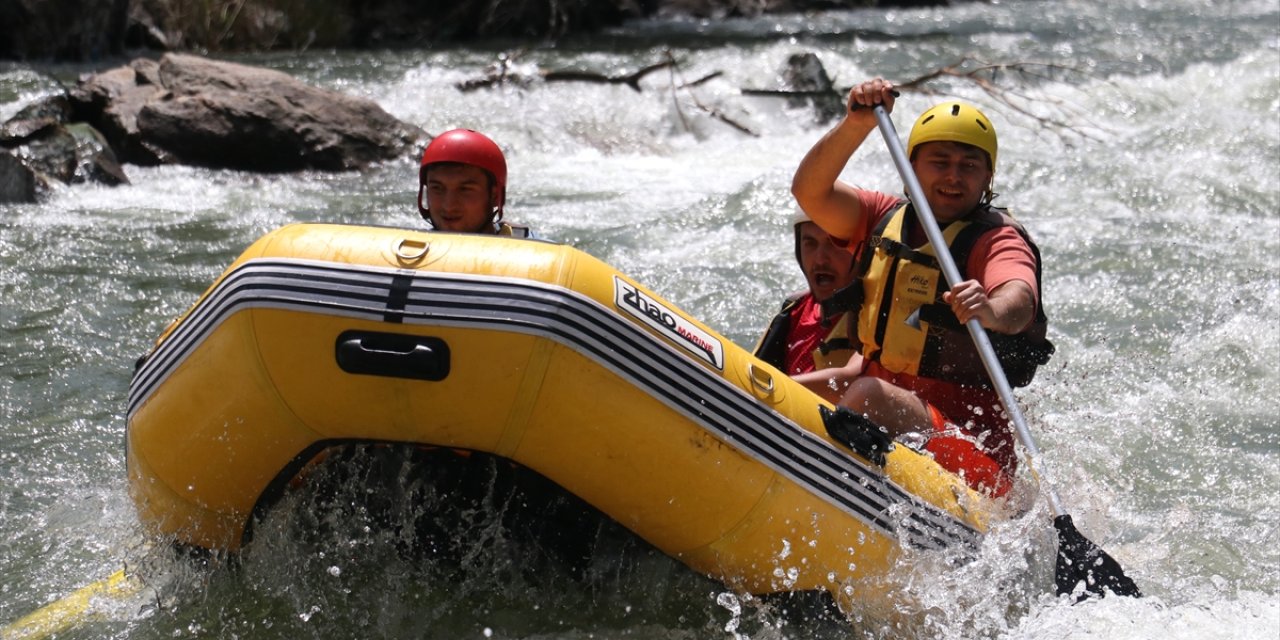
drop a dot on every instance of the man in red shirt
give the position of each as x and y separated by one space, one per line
801 340
922 374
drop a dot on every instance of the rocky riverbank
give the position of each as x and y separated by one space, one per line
85 30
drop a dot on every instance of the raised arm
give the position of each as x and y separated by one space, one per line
817 187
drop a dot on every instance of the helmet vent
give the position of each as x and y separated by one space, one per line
980 125
955 110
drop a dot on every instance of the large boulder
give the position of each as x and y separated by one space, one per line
111 101
191 110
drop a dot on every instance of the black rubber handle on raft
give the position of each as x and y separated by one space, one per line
392 355
855 431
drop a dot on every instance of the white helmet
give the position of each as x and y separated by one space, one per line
798 217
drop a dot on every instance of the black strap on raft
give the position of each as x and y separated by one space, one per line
397 297
857 432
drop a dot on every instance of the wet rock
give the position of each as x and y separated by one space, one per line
805 76
111 101
193 110
40 147
35 118
17 180
94 160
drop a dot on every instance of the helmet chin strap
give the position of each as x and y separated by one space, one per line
423 211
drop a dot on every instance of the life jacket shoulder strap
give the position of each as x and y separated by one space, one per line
514 230
772 347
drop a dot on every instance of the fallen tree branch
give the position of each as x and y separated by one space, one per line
986 76
710 111
1006 91
631 80
502 72
1002 82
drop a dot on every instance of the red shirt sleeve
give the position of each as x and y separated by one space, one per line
877 205
1002 256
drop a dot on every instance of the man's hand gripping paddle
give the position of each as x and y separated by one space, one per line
1079 559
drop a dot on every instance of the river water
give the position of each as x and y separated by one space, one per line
1157 210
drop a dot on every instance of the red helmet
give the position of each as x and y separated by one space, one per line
465 146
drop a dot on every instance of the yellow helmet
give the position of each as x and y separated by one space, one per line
954 122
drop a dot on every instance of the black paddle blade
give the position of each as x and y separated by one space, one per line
1080 559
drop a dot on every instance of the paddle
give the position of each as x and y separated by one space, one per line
1079 559
73 609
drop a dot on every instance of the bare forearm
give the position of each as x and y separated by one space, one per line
825 383
822 165
832 383
817 188
1013 307
1008 309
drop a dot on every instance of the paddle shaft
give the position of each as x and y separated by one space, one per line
980 339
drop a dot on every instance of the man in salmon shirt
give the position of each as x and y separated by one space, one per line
921 373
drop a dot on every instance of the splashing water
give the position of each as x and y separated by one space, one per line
1157 416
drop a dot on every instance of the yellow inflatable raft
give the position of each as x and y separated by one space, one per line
532 351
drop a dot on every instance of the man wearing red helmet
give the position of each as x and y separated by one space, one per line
923 374
463 180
